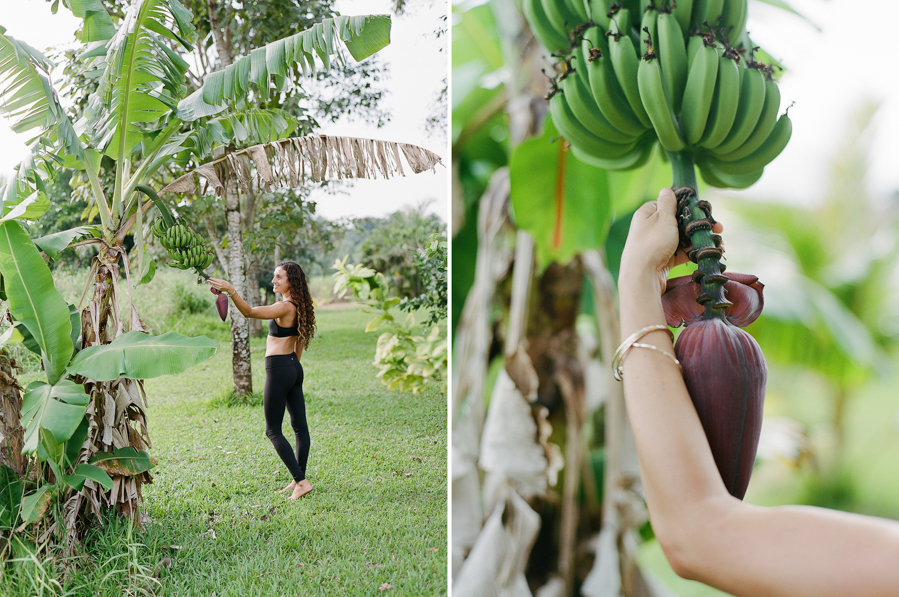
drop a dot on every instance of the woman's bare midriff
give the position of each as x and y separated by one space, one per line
274 345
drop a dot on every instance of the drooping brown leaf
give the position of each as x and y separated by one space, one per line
290 162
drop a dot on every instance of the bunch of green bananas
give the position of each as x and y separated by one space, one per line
681 73
187 249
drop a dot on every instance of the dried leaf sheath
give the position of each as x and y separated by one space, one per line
290 162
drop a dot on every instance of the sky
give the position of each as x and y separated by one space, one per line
417 69
830 75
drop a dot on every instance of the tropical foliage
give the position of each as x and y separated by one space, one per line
405 360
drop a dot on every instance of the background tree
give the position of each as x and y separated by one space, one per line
393 247
347 89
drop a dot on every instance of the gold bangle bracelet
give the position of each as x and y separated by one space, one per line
631 342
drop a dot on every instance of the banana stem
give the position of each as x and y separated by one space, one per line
694 218
166 214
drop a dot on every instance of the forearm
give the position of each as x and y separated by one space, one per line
679 473
243 306
712 537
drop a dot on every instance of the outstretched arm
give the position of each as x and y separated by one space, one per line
707 534
263 312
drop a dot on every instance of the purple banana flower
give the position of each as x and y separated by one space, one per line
724 370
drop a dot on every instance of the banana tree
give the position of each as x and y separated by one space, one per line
136 124
56 412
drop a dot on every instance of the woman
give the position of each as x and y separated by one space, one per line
706 534
291 327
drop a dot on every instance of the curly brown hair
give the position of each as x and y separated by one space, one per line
299 293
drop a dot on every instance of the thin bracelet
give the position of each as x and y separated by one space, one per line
631 341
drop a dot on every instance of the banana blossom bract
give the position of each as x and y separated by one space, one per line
724 371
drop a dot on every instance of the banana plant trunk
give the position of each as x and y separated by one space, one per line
116 412
12 435
240 330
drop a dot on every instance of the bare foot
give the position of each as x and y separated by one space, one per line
288 488
301 489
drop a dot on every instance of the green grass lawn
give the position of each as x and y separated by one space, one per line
374 524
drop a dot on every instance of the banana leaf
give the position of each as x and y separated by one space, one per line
362 35
97 25
124 461
54 244
31 344
142 75
88 471
35 505
136 355
57 409
34 300
10 497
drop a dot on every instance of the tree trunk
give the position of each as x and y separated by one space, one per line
253 298
12 435
116 411
219 253
240 330
222 42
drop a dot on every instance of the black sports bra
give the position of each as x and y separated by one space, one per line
278 332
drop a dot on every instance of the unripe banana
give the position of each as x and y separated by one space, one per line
648 37
655 100
552 40
672 57
562 19
761 157
638 156
706 10
577 135
723 180
607 92
733 20
579 9
620 22
699 93
763 128
693 44
599 13
752 101
625 63
725 103
682 11
585 110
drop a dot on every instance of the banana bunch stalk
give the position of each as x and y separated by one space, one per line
681 74
186 248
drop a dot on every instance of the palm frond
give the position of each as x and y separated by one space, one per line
97 25
361 35
250 127
27 96
142 77
291 162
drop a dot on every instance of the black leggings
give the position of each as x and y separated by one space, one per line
284 388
